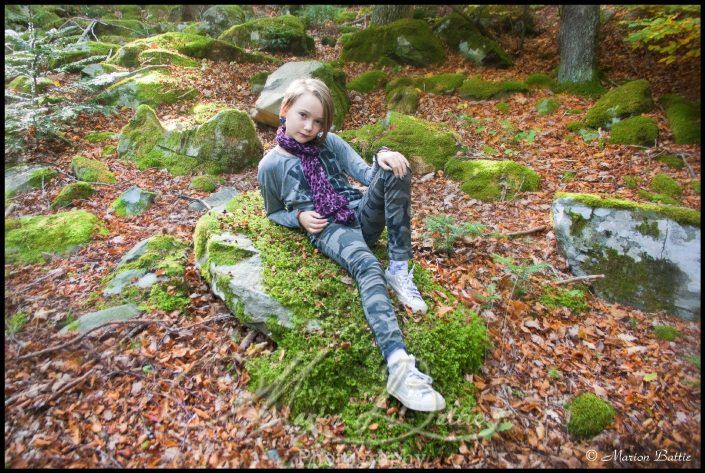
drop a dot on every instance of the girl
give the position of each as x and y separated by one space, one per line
304 183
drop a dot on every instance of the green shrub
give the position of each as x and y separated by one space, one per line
444 231
589 415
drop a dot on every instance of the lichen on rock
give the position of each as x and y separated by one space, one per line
151 88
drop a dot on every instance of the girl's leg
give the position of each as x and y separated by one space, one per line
388 202
346 246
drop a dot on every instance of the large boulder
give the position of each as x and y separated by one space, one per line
649 253
153 88
80 51
427 145
218 18
468 41
325 360
683 118
274 34
267 106
25 177
32 239
629 99
225 140
491 180
404 41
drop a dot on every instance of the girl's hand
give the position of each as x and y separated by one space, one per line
312 221
393 161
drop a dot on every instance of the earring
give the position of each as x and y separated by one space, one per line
282 120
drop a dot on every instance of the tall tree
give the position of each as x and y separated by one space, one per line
384 14
577 40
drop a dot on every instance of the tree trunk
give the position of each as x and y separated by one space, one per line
385 14
577 40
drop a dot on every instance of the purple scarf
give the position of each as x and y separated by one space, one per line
326 201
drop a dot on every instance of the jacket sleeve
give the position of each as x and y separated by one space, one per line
270 186
354 165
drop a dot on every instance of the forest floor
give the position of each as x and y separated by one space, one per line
96 404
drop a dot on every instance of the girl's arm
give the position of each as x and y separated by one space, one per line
270 183
348 158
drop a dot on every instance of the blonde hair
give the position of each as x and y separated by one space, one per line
318 89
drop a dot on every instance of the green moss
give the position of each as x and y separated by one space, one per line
573 299
151 88
626 100
368 81
577 223
476 88
695 186
24 84
336 368
632 182
91 170
108 151
575 126
79 51
666 332
540 80
589 415
648 229
258 80
161 298
683 118
591 89
682 215
334 78
657 198
280 33
502 107
419 140
638 130
99 136
205 183
403 100
72 192
164 56
141 134
465 38
665 184
125 209
441 83
487 180
27 238
671 160
38 179
404 41
546 106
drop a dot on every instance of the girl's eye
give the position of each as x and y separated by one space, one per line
302 114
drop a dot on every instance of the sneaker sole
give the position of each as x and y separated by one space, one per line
419 407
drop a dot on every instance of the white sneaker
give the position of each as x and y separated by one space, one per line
412 387
404 287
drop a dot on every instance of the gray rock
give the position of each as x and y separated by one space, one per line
216 200
102 317
267 105
649 260
133 201
118 283
24 177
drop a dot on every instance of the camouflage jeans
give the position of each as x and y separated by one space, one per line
386 202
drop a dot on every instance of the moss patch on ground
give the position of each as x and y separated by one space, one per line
665 184
671 160
206 183
72 192
333 366
368 81
621 102
638 130
477 88
574 299
28 238
441 83
589 415
488 180
682 215
666 332
425 144
683 118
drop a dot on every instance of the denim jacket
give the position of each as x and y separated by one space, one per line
284 187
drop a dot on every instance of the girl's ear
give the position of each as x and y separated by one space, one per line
282 110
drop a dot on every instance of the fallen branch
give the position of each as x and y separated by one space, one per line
193 199
525 232
589 277
80 337
247 341
68 386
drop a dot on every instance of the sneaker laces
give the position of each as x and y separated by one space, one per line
416 377
409 283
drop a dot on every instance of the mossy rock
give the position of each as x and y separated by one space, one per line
683 118
441 83
468 41
151 88
151 275
334 78
274 34
403 41
134 201
592 89
477 88
100 136
665 184
27 239
206 183
427 145
218 18
488 180
226 142
546 106
671 160
125 28
164 56
22 178
327 363
403 100
257 81
24 84
624 101
91 170
368 81
191 45
85 50
589 415
638 130
71 193
42 16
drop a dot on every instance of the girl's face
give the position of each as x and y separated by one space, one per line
304 118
